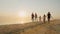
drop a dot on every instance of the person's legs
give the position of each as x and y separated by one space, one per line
44 20
32 19
49 20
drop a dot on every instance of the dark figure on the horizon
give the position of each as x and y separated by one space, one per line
35 16
32 16
44 18
48 16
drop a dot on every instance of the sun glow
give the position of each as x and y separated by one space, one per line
22 14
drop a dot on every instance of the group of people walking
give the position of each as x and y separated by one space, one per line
34 17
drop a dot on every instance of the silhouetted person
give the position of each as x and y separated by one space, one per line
35 16
32 16
48 16
40 18
44 18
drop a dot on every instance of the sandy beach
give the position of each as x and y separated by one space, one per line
32 28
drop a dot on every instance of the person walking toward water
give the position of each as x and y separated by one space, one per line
32 16
35 16
44 18
48 16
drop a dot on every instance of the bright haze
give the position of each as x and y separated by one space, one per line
16 11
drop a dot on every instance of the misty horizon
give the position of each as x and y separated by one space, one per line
20 10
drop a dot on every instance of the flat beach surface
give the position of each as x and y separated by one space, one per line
32 28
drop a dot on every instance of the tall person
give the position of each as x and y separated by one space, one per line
35 16
48 16
32 16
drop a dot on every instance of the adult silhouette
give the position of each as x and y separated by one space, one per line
48 16
32 16
35 16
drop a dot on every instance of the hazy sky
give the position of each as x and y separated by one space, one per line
13 7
